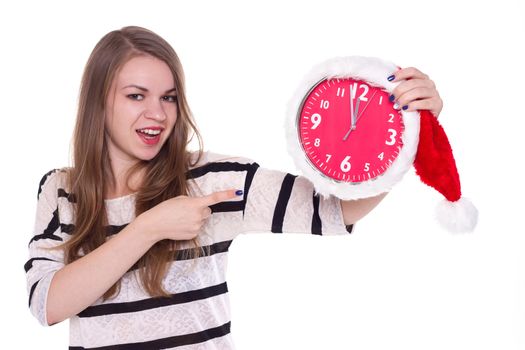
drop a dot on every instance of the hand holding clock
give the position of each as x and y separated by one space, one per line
416 92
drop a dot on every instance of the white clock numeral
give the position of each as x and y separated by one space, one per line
324 104
340 92
345 164
391 119
381 155
367 166
316 119
317 142
393 135
328 156
363 95
380 100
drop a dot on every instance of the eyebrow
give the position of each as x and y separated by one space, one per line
144 89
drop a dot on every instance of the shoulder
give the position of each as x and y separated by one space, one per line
52 180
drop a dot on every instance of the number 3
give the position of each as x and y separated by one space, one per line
393 135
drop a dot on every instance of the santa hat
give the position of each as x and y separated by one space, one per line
435 165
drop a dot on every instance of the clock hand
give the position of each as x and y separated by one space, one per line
356 113
348 133
352 115
359 115
363 111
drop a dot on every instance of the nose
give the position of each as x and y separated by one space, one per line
154 110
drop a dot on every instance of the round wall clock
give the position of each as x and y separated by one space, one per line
343 131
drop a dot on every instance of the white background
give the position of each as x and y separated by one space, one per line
399 282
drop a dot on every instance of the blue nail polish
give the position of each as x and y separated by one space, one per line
405 107
390 78
392 98
239 192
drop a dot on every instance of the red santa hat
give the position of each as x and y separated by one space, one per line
435 165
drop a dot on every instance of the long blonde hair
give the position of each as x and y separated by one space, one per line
165 176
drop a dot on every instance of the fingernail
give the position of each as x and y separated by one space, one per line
392 77
239 192
392 98
405 107
396 105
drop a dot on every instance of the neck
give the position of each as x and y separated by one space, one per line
120 187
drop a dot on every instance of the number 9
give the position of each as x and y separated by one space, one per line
316 119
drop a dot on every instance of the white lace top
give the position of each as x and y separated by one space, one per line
197 315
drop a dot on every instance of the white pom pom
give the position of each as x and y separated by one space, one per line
456 217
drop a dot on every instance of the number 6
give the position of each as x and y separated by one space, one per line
345 164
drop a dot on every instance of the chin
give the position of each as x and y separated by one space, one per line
148 153
147 156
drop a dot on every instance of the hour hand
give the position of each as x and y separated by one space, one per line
354 120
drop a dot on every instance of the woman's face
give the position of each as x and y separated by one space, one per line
141 110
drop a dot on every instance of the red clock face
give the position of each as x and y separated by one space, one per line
349 130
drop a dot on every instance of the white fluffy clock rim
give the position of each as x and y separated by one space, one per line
375 71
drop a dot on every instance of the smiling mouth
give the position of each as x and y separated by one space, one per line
149 132
149 136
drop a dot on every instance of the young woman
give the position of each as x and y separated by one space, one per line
130 243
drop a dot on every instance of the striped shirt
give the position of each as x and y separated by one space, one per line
197 314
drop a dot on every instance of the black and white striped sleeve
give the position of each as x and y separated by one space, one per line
43 263
281 202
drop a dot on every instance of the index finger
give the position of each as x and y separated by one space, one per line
219 196
408 73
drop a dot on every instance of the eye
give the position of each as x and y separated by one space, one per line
170 98
136 97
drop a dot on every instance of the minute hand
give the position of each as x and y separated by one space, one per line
352 114
363 111
356 118
353 117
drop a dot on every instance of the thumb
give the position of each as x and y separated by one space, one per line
220 196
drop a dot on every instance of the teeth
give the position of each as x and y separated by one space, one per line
149 131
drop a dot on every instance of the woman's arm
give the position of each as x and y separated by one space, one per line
355 210
79 284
